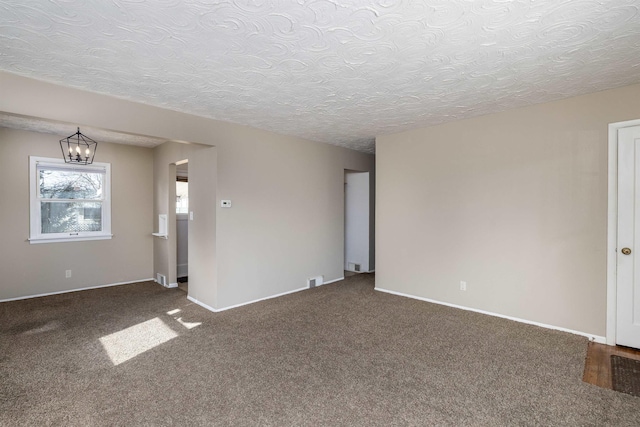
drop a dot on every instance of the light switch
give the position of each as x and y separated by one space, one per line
225 203
191 216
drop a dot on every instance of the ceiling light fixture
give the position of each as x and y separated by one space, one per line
78 149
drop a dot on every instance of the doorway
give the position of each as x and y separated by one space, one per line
623 283
182 224
357 223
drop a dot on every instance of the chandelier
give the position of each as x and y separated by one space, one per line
78 149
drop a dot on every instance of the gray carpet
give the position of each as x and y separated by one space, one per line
340 354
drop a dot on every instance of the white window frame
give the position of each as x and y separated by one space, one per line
35 232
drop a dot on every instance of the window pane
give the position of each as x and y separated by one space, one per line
55 184
182 197
70 217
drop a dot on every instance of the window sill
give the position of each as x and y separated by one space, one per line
38 240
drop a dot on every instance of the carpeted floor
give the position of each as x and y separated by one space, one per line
340 354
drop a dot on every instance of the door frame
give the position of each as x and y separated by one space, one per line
612 227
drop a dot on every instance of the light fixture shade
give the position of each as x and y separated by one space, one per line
78 149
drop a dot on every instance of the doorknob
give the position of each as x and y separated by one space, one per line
626 251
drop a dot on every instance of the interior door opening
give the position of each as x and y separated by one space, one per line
357 223
182 224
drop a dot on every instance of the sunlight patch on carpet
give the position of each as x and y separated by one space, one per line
188 325
135 340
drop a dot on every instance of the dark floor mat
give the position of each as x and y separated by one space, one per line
625 375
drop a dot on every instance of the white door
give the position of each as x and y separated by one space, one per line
356 221
628 246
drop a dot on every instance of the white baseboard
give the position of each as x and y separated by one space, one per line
76 290
591 337
217 310
265 298
261 299
183 270
170 285
201 304
332 281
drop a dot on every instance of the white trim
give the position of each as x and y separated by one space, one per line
201 304
38 240
35 232
170 285
333 281
217 310
183 270
612 226
591 337
76 290
261 299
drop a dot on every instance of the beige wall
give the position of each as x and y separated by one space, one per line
287 219
201 230
40 268
514 203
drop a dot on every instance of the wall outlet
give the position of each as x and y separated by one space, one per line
463 286
67 273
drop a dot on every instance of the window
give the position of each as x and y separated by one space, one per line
69 202
182 197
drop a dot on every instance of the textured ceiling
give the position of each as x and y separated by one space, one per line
336 71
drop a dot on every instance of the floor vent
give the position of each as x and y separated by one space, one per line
161 279
315 281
